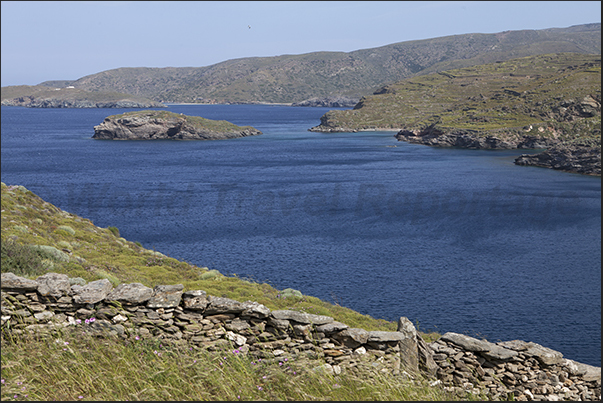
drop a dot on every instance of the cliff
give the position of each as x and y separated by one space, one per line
68 97
162 125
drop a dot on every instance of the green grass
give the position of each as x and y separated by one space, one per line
498 98
70 366
43 367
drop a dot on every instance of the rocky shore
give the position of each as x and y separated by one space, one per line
460 364
579 157
38 102
582 159
160 125
329 102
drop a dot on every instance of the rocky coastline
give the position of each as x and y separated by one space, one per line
581 157
38 102
511 370
578 158
329 102
160 125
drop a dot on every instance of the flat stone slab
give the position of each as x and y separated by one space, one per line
301 317
12 281
381 336
134 293
54 285
93 292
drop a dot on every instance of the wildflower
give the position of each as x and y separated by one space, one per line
19 383
66 343
78 321
136 338
87 321
92 320
80 397
280 364
2 381
194 361
259 388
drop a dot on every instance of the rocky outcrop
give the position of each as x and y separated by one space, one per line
505 370
159 125
38 102
578 158
471 139
329 102
582 157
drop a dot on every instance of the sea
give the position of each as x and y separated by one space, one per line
455 240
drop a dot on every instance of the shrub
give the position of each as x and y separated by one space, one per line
290 292
21 260
114 230
67 229
50 252
210 274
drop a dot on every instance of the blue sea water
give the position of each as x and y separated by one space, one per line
456 240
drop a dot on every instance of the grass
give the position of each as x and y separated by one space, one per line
44 367
71 366
501 98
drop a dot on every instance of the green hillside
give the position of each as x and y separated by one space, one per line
558 94
294 78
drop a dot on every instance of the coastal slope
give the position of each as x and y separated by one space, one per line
163 125
531 103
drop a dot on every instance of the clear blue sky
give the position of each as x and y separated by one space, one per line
56 40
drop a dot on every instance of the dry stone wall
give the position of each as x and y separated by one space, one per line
458 363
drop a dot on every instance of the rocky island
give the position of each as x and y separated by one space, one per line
536 102
163 125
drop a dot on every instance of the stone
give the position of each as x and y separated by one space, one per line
466 342
54 285
134 293
543 354
196 300
220 305
166 296
332 327
301 317
352 337
11 281
255 310
91 293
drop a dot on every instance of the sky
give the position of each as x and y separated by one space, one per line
67 40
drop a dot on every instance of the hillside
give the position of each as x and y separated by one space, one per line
140 325
296 78
39 96
531 102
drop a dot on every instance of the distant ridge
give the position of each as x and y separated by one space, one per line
296 78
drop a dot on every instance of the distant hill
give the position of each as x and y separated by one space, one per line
39 96
296 78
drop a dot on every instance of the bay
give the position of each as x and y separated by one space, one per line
455 240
